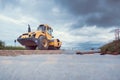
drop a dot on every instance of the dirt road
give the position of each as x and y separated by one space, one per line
60 67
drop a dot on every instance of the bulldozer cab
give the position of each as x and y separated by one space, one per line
46 29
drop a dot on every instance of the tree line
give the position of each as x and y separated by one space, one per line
4 47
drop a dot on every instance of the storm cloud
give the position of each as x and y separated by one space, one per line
100 13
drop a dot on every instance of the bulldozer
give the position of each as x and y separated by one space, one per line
41 39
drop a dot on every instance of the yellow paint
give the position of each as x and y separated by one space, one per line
38 34
55 43
46 33
24 36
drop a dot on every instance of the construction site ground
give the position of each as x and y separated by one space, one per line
65 65
34 52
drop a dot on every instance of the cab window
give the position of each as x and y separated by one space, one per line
41 28
49 30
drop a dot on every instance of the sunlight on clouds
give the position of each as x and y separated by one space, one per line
8 19
85 34
94 33
22 20
56 10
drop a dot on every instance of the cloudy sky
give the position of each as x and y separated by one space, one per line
77 23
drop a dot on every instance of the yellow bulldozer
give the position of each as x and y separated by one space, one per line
41 39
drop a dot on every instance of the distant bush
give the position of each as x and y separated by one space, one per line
3 47
2 44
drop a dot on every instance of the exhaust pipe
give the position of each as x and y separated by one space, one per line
29 29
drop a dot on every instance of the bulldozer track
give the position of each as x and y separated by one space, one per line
28 52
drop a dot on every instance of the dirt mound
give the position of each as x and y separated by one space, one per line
111 48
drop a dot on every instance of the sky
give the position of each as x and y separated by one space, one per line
77 23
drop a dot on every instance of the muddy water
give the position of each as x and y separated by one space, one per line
60 67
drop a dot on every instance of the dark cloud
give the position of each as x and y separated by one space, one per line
33 8
5 3
102 13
